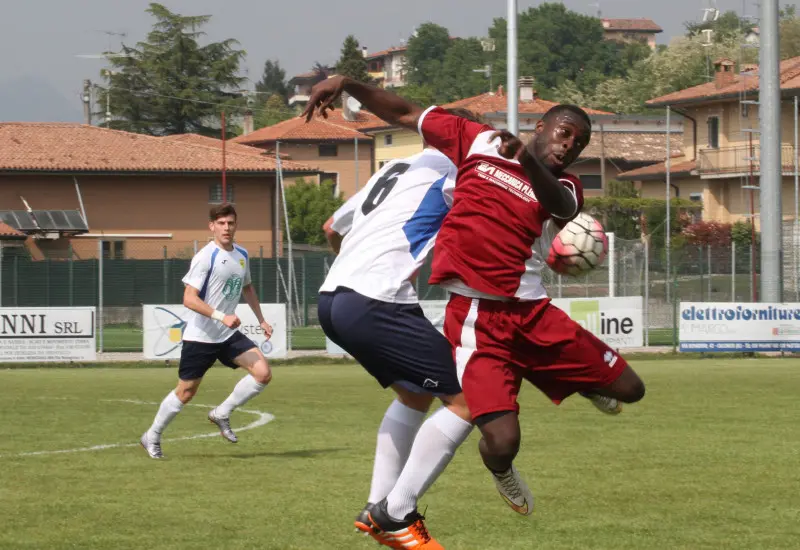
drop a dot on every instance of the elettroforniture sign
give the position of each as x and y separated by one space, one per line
47 334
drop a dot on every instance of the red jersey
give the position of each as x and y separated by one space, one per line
491 240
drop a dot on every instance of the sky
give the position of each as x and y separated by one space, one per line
41 73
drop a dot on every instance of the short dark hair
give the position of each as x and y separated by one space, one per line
466 113
574 109
220 211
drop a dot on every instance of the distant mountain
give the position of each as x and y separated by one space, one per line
32 99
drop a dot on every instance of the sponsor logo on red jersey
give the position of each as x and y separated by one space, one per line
511 183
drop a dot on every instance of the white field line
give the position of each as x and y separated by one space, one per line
261 420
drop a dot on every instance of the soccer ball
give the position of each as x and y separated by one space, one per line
578 248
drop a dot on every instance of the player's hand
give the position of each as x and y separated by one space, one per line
231 321
323 95
510 145
267 328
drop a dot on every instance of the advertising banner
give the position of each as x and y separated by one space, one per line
736 326
47 334
163 327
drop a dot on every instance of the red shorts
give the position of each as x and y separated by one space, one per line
497 344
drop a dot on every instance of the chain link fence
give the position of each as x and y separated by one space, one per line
119 277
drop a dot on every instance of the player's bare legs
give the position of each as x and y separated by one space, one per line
187 389
628 388
167 411
248 387
499 446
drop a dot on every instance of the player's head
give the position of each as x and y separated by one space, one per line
222 223
561 135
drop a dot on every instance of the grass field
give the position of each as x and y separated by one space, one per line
708 460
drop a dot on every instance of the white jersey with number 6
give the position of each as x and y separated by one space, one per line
391 225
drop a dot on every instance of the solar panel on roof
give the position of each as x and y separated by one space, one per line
75 220
44 220
18 219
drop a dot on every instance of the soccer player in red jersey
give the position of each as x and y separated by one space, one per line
510 200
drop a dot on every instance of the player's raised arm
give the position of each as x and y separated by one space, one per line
557 199
385 105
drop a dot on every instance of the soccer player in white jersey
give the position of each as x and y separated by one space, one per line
218 277
368 306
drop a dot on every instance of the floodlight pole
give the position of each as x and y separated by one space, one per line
796 231
668 229
512 91
770 159
224 182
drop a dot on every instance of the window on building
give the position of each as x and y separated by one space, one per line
328 150
113 250
215 192
713 132
387 139
591 181
696 197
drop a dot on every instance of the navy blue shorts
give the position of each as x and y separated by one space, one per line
395 343
198 357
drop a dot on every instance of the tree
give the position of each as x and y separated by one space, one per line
727 26
458 78
556 44
630 217
273 111
273 81
789 33
417 94
352 62
426 53
309 205
685 63
170 84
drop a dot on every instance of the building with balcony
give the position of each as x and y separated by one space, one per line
301 84
388 67
720 163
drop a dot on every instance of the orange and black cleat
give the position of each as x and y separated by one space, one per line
362 522
407 533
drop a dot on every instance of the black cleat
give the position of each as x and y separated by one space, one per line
362 522
410 532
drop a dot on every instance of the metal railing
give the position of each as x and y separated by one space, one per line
738 160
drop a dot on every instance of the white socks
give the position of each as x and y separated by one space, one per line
395 438
433 448
245 390
169 409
